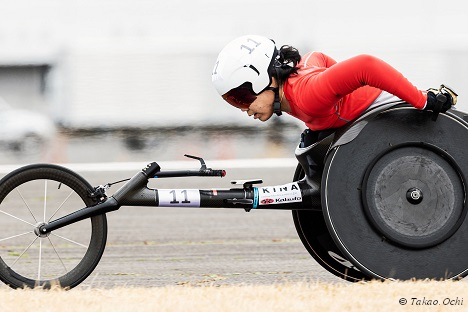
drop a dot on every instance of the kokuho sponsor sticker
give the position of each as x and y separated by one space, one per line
280 194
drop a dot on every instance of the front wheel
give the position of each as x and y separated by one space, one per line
30 197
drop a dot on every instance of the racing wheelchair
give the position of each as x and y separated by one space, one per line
382 198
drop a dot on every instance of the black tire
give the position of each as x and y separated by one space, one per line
313 232
37 194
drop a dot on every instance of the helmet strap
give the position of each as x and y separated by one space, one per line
273 71
277 102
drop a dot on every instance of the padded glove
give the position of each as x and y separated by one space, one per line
433 97
440 100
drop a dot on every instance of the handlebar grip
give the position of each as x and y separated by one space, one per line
213 173
190 173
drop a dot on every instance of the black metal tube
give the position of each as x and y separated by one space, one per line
310 198
227 198
136 193
109 205
137 182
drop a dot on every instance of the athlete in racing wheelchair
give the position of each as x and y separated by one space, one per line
390 174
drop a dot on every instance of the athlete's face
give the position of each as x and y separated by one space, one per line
262 107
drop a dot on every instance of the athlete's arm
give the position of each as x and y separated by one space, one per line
317 59
344 77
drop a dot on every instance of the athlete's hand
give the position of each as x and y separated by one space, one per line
440 100
449 93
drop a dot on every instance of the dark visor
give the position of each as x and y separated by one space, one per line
241 97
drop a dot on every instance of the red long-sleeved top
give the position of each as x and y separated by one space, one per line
326 94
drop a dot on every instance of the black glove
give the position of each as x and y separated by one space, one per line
440 100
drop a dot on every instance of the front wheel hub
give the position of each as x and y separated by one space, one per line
39 230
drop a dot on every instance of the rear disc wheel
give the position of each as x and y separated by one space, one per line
313 232
396 206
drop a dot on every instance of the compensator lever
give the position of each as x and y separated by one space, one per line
205 171
202 172
202 162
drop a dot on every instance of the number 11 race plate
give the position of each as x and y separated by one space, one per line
179 197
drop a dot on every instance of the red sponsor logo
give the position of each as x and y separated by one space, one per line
266 201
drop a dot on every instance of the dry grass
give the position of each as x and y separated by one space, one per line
374 296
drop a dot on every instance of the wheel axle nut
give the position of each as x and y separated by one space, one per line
414 196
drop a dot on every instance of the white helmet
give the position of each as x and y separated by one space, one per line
245 59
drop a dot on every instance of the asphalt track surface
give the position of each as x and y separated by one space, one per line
152 246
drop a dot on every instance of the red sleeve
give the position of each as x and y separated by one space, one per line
344 77
317 59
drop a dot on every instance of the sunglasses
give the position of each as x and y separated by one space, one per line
241 97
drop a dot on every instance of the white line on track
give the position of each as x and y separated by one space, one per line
172 165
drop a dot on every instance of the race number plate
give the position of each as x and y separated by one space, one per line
179 198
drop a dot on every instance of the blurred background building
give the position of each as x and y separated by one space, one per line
108 64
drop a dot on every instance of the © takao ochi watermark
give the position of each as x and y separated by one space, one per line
429 302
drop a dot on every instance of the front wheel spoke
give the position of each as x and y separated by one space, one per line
40 261
24 201
14 236
69 240
60 258
10 215
55 212
24 251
